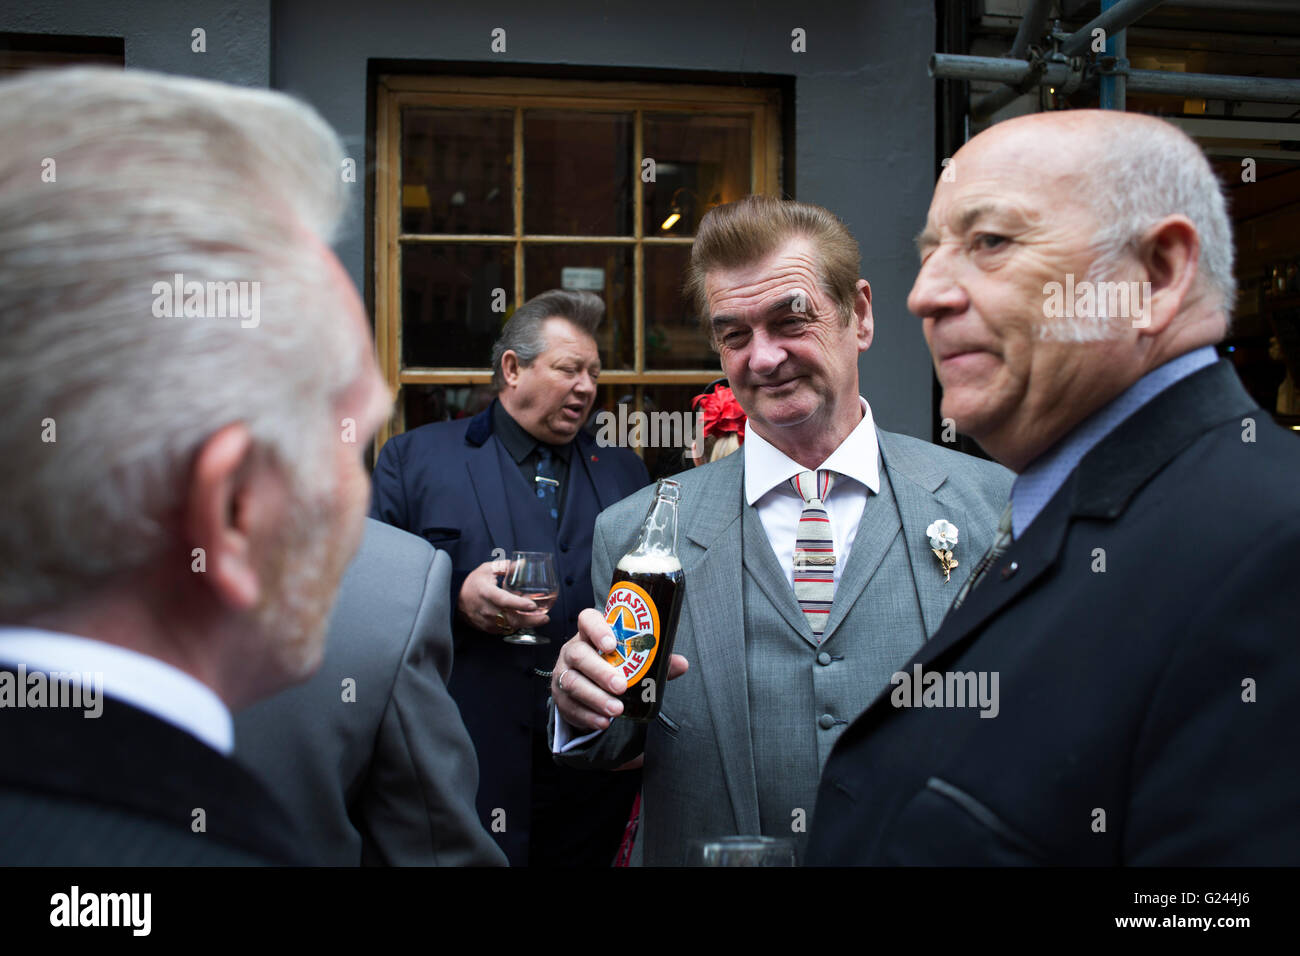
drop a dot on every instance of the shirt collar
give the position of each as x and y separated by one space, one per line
144 682
857 457
1042 478
518 442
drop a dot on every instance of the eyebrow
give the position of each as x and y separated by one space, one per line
929 236
776 308
576 360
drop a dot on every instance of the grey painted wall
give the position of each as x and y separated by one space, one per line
864 105
157 33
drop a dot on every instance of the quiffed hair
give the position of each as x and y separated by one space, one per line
744 232
522 333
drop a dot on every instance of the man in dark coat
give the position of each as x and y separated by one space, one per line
1120 683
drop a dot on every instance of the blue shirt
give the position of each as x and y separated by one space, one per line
1035 486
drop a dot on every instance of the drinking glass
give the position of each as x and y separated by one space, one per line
742 851
532 575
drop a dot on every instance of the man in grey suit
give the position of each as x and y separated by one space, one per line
371 755
787 648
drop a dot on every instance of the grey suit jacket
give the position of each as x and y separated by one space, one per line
739 745
390 776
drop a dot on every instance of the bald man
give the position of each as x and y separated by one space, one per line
1120 683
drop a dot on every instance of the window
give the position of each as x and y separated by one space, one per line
489 191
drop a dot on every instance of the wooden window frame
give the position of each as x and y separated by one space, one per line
762 106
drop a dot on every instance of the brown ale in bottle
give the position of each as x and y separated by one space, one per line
645 599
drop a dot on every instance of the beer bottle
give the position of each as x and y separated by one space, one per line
645 598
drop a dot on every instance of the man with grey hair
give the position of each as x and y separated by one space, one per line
188 384
1138 608
521 476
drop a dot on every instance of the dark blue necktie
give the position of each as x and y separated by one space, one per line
547 485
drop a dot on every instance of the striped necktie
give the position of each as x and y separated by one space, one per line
814 551
991 557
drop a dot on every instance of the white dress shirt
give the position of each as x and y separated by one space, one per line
129 676
768 490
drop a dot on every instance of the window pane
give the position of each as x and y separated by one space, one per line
577 169
456 171
603 270
448 294
673 337
700 162
442 403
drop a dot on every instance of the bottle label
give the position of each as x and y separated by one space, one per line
634 619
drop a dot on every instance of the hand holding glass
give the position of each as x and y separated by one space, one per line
532 575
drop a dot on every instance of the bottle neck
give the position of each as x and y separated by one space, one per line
659 532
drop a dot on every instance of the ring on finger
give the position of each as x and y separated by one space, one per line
559 682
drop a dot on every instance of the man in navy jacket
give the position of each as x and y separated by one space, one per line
522 475
1119 685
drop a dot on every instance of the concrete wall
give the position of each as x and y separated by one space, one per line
864 107
157 33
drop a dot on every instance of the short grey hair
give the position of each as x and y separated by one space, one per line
1142 172
152 176
522 333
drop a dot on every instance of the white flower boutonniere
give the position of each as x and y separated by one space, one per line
943 539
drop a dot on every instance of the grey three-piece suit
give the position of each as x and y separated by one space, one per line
742 737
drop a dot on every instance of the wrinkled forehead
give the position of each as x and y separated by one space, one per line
792 268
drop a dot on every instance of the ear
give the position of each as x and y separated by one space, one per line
1168 253
863 321
510 367
230 508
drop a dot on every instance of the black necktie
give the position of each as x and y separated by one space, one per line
548 487
991 557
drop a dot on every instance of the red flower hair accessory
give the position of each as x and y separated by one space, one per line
720 413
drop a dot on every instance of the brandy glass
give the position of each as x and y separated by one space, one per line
532 575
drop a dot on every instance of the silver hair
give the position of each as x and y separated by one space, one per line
111 183
1141 173
522 333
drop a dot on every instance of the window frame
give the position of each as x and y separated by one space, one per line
761 105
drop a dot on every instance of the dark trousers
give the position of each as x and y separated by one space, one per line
578 815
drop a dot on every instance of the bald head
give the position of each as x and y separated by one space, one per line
1130 171
1065 255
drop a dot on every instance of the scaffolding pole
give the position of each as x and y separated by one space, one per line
1115 17
1032 26
1252 89
1113 92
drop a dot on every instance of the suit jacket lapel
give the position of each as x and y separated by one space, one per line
718 626
1101 487
919 496
876 532
760 561
587 451
484 467
1025 561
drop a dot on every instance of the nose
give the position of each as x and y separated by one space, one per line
586 386
936 292
765 354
